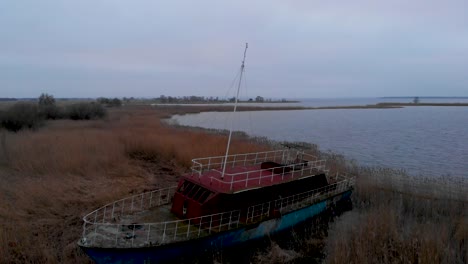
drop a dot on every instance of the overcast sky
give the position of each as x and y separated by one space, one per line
148 48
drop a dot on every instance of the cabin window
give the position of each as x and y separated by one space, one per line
188 187
182 187
194 191
198 193
204 196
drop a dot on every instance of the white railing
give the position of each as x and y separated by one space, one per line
286 157
147 234
294 164
258 212
255 177
297 201
100 229
127 206
108 215
284 205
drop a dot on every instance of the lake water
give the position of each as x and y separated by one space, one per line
422 140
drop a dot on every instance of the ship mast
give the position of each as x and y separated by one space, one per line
235 108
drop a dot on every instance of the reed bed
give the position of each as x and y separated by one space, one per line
402 219
51 177
396 218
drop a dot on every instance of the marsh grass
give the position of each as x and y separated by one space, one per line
401 219
396 218
51 177
276 254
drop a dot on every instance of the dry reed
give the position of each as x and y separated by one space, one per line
396 218
399 219
51 177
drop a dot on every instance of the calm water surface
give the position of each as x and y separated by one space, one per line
422 140
320 102
317 102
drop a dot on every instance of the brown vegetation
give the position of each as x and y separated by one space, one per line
402 220
396 219
51 177
32 115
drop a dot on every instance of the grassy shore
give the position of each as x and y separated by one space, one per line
396 218
402 220
51 177
183 109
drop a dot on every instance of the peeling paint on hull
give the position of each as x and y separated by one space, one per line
189 249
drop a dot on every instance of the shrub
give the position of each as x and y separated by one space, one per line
21 115
116 102
85 111
48 108
50 111
46 99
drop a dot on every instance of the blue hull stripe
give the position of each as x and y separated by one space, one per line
211 243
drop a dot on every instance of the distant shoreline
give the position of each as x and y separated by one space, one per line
266 106
422 104
191 109
424 97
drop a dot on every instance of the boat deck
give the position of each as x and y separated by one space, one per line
145 219
243 178
157 226
254 170
134 230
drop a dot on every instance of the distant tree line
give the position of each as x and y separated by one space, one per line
115 102
32 114
185 99
202 99
8 99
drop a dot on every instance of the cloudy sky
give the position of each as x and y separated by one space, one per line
148 48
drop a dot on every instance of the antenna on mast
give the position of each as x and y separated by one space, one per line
235 108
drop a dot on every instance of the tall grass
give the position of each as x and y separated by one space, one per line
397 218
51 177
402 220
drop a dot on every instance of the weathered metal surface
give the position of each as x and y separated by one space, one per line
217 241
206 212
